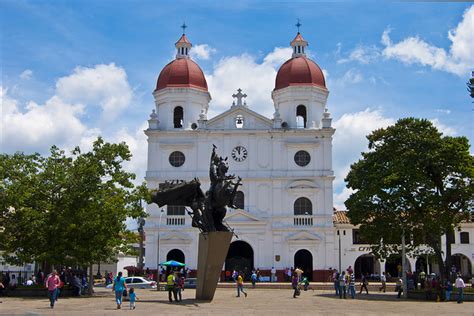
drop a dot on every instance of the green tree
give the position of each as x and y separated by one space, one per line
412 179
69 210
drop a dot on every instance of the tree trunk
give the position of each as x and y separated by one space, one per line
449 237
91 280
435 244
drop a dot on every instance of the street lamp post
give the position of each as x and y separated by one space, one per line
339 235
158 271
404 272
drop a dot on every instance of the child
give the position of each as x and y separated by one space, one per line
133 297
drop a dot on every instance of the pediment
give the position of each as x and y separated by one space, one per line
251 120
304 236
176 236
303 184
241 216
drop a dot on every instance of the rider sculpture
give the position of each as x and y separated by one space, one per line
208 211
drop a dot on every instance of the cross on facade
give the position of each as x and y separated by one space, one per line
184 26
239 95
298 24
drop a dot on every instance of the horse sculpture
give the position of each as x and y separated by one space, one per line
209 210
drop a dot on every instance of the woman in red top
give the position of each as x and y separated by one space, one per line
52 283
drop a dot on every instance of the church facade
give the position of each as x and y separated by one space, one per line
284 214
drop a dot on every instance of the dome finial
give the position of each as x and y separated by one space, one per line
184 26
298 43
298 24
183 45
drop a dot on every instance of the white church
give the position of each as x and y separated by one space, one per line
284 216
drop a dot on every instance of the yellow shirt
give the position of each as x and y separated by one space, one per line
170 280
240 280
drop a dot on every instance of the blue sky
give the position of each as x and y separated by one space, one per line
72 70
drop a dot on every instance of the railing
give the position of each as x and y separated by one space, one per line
177 220
303 220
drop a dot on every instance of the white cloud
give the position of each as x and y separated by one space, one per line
444 111
36 127
361 54
349 141
26 75
413 50
202 51
39 126
446 130
352 76
103 85
257 80
137 142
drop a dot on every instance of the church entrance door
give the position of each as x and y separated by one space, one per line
176 255
240 258
304 261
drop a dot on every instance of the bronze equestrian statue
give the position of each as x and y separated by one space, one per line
209 210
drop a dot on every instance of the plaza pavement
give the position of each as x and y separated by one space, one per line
273 302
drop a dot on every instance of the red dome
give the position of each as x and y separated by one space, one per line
299 71
182 73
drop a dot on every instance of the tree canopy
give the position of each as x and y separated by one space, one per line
67 209
411 179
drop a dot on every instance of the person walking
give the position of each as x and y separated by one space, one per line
253 278
180 287
460 286
399 287
119 287
52 284
383 279
449 289
352 285
364 284
294 285
342 284
171 287
335 279
133 297
240 285
299 273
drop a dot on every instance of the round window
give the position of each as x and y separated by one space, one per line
302 158
177 159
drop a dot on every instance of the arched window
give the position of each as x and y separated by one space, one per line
301 117
178 115
239 200
303 206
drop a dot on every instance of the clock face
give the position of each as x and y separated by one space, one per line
239 153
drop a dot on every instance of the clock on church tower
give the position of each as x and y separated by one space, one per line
239 153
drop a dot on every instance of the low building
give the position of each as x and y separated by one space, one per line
354 252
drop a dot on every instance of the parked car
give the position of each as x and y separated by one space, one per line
138 283
190 283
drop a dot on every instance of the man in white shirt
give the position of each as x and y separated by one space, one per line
383 279
273 271
460 286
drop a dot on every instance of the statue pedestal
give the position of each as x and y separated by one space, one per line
212 252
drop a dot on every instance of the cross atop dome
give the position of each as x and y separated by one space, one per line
183 45
298 24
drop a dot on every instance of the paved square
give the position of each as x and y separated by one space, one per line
259 302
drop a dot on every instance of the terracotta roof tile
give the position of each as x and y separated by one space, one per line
340 217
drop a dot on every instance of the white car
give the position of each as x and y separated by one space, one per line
137 283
